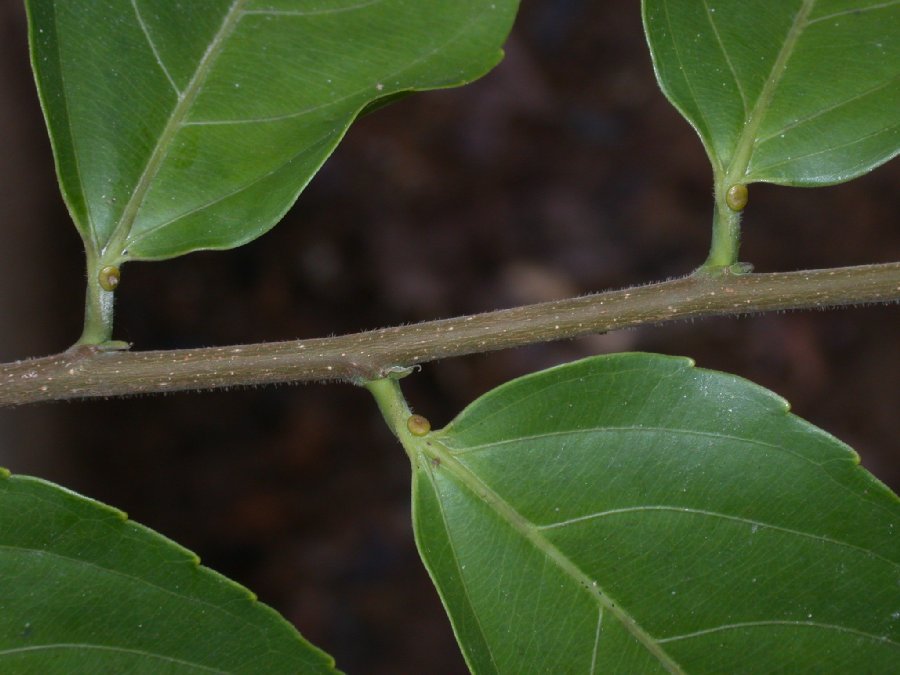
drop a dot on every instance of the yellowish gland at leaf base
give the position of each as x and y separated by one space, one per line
737 196
109 278
418 425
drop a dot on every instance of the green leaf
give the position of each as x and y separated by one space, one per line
179 126
633 514
795 92
84 590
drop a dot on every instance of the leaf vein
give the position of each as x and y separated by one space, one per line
824 111
596 640
566 565
131 578
537 393
120 235
713 153
151 230
755 624
737 80
822 151
314 12
146 30
93 242
456 562
625 429
746 142
108 648
713 514
859 10
278 118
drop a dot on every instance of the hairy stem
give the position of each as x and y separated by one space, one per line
395 411
87 371
726 237
98 308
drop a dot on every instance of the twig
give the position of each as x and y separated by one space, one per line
84 372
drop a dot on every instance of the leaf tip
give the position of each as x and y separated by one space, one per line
5 473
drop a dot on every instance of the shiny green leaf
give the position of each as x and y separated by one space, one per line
795 92
84 590
633 514
179 126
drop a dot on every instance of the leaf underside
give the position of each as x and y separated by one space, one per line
794 92
179 126
633 514
84 590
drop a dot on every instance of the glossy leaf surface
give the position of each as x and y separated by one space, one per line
84 590
633 514
179 126
795 92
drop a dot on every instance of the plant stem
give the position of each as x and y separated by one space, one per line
88 371
98 308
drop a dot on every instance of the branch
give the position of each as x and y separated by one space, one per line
84 372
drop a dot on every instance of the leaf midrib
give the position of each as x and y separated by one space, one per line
437 450
114 251
743 151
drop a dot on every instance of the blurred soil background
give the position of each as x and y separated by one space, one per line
565 171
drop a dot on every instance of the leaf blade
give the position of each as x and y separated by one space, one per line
196 126
82 589
794 93
669 533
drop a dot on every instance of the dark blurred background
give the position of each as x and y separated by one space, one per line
564 171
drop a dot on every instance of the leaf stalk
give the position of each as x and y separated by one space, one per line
396 412
98 308
726 238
